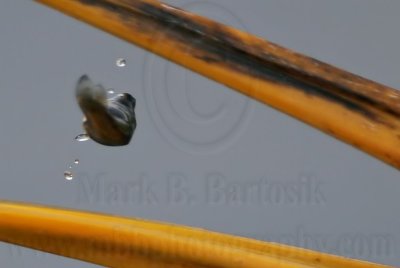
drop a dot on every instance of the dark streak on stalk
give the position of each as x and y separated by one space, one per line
217 46
114 8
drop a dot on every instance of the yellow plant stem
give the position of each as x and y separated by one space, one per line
353 109
123 242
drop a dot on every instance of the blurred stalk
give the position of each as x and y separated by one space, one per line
122 242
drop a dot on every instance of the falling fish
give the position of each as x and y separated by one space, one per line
107 120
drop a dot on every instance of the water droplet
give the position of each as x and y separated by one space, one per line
82 137
76 161
121 62
68 175
70 167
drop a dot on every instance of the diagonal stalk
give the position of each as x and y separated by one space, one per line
353 109
123 242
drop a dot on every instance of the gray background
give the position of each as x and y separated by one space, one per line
200 149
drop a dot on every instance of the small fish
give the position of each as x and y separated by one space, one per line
109 121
